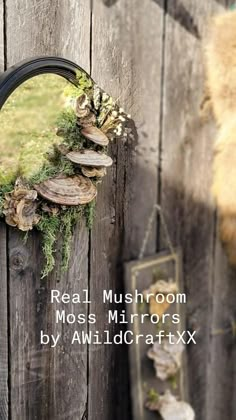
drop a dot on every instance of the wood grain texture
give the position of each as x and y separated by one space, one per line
151 59
124 37
46 383
186 200
36 27
130 71
2 29
221 359
4 392
4 325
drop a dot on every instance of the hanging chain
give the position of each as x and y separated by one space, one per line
156 209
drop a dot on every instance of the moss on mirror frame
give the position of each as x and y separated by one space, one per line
50 161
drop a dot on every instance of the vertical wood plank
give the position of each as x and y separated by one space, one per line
126 62
46 383
187 143
2 29
221 360
58 27
4 392
4 325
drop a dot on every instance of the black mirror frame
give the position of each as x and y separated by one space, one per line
20 72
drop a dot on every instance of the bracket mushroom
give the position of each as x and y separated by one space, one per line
90 158
95 135
68 191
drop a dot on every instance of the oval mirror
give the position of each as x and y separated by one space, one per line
56 126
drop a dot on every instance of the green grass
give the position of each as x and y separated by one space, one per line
27 122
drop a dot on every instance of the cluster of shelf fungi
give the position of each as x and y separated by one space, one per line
79 189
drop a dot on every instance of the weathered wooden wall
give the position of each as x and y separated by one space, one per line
148 53
186 198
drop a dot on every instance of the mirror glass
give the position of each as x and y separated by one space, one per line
27 125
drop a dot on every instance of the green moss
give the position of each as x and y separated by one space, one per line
84 81
89 213
84 85
67 234
153 396
173 380
49 227
68 130
58 164
68 221
63 223
4 190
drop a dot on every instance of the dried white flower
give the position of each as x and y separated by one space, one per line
172 409
97 97
105 96
119 129
167 358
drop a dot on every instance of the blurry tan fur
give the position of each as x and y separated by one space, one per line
221 82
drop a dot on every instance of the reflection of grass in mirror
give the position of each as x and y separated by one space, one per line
27 126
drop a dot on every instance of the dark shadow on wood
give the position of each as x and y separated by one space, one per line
229 3
112 376
225 3
180 14
41 376
176 10
208 310
109 3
